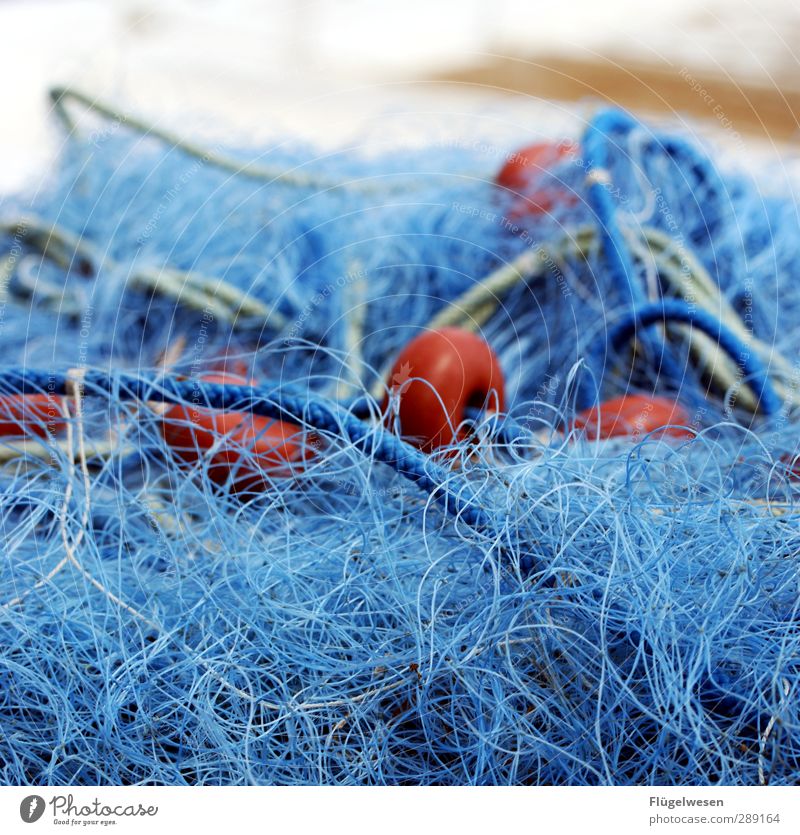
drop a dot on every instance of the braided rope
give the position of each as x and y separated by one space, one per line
677 310
453 491
252 170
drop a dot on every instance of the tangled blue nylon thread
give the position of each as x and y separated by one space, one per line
530 607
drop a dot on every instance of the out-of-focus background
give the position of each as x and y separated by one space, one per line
332 70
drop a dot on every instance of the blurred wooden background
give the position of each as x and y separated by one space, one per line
736 103
733 63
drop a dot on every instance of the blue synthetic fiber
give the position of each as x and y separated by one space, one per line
533 606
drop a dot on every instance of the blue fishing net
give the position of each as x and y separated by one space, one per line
534 605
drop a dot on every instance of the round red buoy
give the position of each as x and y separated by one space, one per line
243 447
790 464
30 414
634 415
437 376
526 166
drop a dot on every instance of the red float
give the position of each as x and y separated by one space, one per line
634 415
30 414
791 465
243 446
523 169
437 376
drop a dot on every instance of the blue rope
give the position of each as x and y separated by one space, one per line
676 310
596 142
452 491
595 147
644 313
